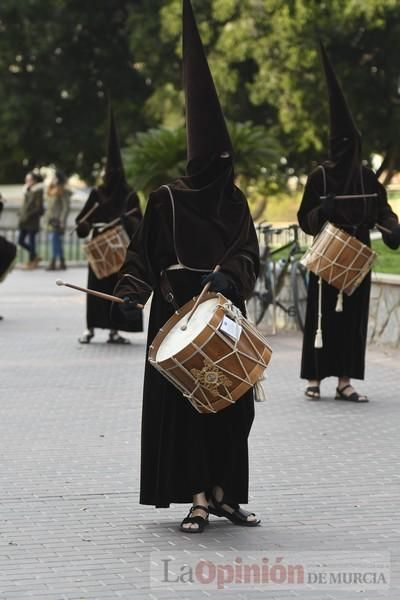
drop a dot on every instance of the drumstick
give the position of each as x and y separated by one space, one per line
349 197
85 216
382 228
199 299
94 293
115 221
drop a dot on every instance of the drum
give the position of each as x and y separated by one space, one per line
215 359
339 259
106 252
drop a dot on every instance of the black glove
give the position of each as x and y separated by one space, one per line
83 229
328 206
219 282
130 310
393 238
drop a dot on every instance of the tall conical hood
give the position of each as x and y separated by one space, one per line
345 138
114 170
206 129
341 119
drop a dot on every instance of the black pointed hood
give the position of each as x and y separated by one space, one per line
341 119
345 138
114 170
206 131
207 206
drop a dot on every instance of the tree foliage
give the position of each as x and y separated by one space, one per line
264 58
159 155
57 59
58 62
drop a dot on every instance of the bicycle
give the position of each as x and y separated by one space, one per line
271 280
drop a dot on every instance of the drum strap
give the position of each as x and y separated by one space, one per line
166 290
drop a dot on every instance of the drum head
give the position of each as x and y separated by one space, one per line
177 338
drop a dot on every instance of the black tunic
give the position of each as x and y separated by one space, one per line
98 310
185 452
344 333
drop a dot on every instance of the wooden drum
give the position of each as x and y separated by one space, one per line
339 259
216 358
106 252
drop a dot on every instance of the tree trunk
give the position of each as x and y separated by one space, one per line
259 209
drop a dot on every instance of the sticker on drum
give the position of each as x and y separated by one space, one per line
231 328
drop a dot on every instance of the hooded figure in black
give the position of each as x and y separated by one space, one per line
190 226
115 198
344 333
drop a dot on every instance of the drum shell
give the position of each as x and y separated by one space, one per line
339 258
243 368
106 252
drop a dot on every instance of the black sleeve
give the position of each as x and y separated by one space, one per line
135 277
386 217
84 228
243 266
131 222
310 216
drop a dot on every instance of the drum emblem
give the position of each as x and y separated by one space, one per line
210 377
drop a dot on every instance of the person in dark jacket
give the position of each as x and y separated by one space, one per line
344 333
29 217
58 201
114 198
191 225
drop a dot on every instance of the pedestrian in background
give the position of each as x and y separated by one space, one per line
29 217
58 202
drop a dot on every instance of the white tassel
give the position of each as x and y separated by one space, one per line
318 339
339 302
318 343
259 393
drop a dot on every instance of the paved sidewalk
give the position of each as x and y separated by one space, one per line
324 475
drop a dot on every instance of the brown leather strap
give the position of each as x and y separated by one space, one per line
166 290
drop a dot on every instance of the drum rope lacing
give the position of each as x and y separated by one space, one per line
218 371
235 314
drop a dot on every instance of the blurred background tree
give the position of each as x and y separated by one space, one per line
264 58
58 58
58 61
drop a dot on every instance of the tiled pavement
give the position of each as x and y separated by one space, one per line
324 475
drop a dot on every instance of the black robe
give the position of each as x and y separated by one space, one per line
185 452
344 333
8 251
98 310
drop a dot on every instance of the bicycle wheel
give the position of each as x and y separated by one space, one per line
299 283
259 301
